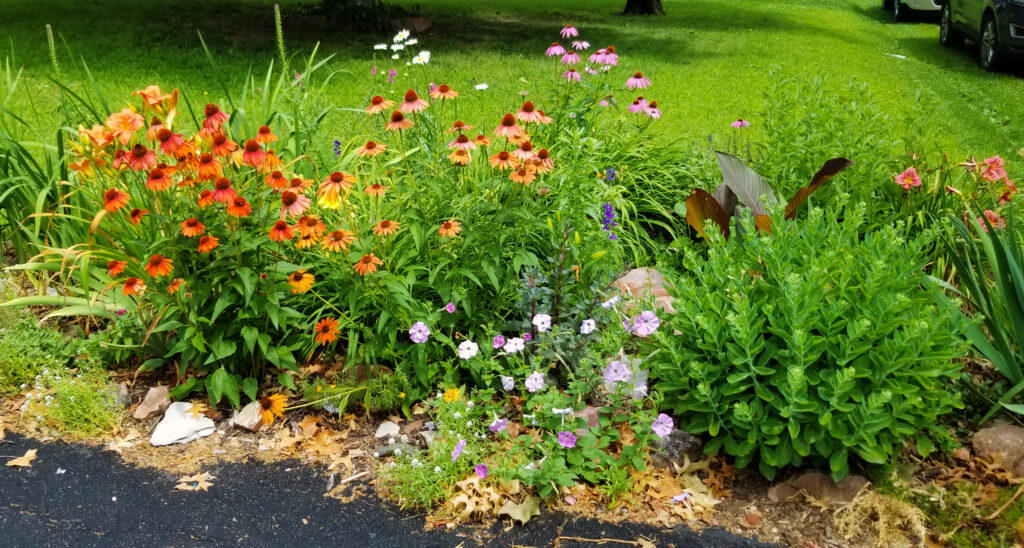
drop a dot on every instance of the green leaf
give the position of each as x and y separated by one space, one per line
251 388
222 384
286 381
250 334
184 389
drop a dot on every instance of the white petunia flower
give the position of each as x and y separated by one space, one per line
468 350
588 327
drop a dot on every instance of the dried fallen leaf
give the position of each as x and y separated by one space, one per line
2 428
523 511
197 410
198 482
308 425
24 460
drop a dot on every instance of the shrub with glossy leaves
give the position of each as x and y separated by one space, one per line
812 343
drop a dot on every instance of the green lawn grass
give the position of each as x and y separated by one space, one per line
709 59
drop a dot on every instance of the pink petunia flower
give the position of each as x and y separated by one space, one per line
554 49
638 81
662 426
909 178
498 341
450 307
569 31
459 447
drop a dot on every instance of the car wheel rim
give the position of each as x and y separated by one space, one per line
988 40
896 9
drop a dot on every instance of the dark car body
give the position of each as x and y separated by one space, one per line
997 26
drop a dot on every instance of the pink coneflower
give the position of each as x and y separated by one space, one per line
591 71
525 151
169 141
140 158
544 118
443 92
909 178
398 122
992 169
740 123
528 113
371 149
223 192
580 45
254 155
379 104
293 204
638 81
638 105
570 58
652 110
508 127
462 142
459 126
571 75
596 57
412 103
994 219
554 49
610 57
543 161
569 31
215 118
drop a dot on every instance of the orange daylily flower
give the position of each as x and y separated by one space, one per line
301 281
191 227
159 266
449 228
367 265
208 243
326 331
124 124
154 98
99 135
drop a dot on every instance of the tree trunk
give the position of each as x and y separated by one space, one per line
643 7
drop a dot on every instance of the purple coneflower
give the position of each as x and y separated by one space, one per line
580 45
638 81
569 31
571 75
554 49
570 58
740 123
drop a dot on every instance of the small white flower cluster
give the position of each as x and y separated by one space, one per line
401 41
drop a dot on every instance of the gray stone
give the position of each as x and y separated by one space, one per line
249 418
387 429
397 449
1003 443
156 400
179 426
121 395
671 448
428 436
819 486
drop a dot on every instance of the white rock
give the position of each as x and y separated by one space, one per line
179 426
387 429
249 417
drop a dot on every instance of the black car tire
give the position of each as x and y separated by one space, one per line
887 5
899 11
948 35
990 54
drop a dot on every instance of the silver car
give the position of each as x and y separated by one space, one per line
902 9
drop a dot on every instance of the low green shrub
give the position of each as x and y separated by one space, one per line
80 403
810 343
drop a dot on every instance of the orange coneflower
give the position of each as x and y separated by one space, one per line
136 215
206 198
169 141
544 118
306 241
168 170
155 125
543 161
508 127
376 189
293 203
481 140
140 158
277 180
209 167
124 124
524 175
239 207
443 92
398 122
114 199
264 135
336 182
367 265
207 243
386 227
528 113
174 286
462 142
271 406
215 118
223 192
412 103
254 155
299 185
310 224
449 228
272 163
133 286
115 267
326 330
525 151
519 139
459 156
339 240
281 231
159 266
379 104
222 146
192 227
371 149
301 281
459 126
503 160
158 180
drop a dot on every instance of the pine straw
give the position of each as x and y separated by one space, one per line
895 523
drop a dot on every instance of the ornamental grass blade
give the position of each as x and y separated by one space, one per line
827 171
749 187
701 207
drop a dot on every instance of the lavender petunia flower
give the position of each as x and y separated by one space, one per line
535 382
468 350
515 344
587 327
567 440
481 470
662 426
419 332
498 341
508 383
497 425
542 322
617 372
458 450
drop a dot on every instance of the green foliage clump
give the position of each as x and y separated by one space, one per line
811 343
25 350
80 403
